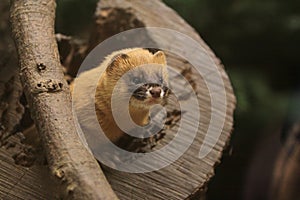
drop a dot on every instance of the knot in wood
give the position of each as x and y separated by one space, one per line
59 173
50 85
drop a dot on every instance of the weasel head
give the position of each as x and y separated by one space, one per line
143 75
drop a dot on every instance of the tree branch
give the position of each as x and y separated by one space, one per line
50 102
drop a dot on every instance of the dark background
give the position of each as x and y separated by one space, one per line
257 42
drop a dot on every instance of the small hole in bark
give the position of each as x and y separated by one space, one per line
39 85
60 85
70 191
41 66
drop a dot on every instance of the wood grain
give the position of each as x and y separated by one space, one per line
18 182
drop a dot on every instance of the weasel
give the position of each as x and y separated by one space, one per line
149 76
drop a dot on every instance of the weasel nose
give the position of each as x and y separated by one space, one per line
155 92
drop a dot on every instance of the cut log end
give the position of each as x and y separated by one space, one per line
188 176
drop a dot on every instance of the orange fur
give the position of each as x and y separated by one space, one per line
117 64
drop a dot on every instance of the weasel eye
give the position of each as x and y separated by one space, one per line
136 80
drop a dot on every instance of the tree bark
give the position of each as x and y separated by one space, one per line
49 98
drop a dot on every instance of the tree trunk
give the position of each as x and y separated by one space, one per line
49 98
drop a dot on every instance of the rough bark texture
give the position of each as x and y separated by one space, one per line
49 99
13 177
186 178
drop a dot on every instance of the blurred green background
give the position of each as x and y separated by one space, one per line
258 42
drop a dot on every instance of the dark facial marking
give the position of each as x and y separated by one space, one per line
155 92
166 91
152 50
140 93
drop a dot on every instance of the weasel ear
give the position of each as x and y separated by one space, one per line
115 60
160 58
